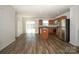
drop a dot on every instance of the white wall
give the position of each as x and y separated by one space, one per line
74 25
7 26
19 25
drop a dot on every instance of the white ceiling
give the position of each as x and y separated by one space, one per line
41 10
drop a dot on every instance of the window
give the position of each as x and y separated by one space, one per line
45 22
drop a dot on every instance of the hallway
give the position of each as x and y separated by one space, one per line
34 44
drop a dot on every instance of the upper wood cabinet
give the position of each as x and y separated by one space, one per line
40 22
50 22
50 29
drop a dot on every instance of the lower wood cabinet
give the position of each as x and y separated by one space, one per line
44 33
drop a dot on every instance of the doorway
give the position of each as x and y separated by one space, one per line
30 26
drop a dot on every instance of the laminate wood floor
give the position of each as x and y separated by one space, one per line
34 44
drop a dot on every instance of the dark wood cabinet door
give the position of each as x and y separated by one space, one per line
40 22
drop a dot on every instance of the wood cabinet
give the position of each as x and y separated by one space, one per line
44 33
63 28
51 22
40 22
51 29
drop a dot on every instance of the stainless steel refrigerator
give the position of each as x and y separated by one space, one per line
65 29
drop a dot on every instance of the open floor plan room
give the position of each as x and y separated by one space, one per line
39 29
